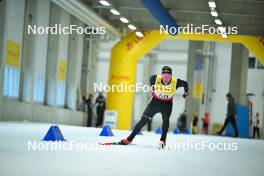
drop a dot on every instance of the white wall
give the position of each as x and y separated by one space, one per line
58 50
14 25
222 68
40 113
2 26
139 106
104 55
255 85
35 47
75 56
43 10
14 20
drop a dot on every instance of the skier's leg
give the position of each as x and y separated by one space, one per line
166 113
149 125
144 120
165 127
149 112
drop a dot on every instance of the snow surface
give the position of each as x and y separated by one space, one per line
143 158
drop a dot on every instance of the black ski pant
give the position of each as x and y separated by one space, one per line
255 130
154 107
100 118
232 120
89 118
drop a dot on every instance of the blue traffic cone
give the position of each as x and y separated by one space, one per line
158 130
54 134
186 131
106 131
176 131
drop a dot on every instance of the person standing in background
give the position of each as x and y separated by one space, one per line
89 103
183 119
230 115
100 101
255 124
194 123
206 121
82 106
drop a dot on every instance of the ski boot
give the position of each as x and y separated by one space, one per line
162 144
125 142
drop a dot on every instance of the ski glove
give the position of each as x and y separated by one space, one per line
185 94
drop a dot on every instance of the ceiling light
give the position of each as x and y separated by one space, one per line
139 34
212 4
214 13
124 20
224 35
132 27
115 12
104 3
221 29
218 21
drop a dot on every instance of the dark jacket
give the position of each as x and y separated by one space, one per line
231 107
195 121
100 100
89 104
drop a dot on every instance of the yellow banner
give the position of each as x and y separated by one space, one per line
61 70
13 53
197 90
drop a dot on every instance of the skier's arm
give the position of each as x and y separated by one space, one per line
152 80
184 84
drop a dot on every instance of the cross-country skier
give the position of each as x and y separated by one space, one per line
163 87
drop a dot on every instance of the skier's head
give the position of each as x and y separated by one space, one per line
229 96
166 74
